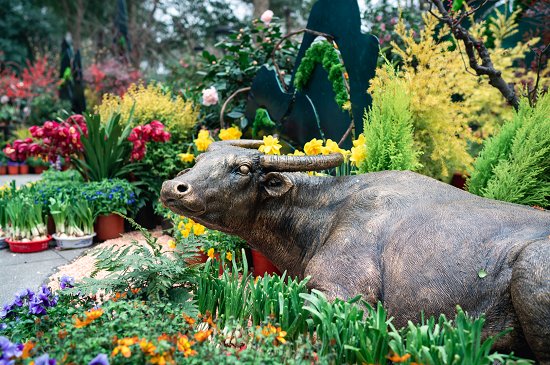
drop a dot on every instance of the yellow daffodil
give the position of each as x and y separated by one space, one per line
185 233
313 147
229 256
358 154
198 229
186 157
181 225
230 133
330 147
298 153
271 146
347 105
211 253
360 141
172 244
203 140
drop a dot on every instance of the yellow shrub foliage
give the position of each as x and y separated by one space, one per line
446 97
151 103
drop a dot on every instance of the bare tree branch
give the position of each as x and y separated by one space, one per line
475 48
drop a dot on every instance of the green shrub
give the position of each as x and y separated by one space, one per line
514 166
388 129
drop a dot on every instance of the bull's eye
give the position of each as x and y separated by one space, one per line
244 170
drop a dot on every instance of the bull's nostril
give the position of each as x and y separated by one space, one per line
182 188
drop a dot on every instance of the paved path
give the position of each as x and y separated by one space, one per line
29 270
19 179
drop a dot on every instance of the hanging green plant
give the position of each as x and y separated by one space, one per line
325 54
261 121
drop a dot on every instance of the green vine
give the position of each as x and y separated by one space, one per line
324 54
261 120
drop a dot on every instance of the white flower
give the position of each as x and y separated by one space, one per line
210 96
4 99
26 111
266 17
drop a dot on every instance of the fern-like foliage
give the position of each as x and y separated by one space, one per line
388 128
515 166
158 275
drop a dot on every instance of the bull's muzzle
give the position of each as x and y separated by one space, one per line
179 196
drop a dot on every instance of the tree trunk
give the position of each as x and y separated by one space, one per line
259 7
77 36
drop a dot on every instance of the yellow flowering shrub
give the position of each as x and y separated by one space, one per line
445 97
151 102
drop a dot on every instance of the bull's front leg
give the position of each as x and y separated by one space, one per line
342 274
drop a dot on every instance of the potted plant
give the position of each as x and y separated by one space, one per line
38 164
26 229
13 167
3 163
74 222
3 217
108 197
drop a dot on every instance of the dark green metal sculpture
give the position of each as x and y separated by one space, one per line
314 112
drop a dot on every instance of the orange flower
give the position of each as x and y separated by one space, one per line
135 291
78 323
93 314
188 319
184 345
397 358
162 359
29 345
201 336
119 296
147 347
123 347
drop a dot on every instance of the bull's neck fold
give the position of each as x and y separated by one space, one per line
289 229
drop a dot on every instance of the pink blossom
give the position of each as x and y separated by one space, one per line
394 21
210 96
383 27
266 17
378 18
4 99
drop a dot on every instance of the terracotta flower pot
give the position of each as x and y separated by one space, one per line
262 265
3 170
39 169
23 169
13 170
109 226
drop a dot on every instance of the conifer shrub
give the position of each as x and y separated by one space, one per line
514 166
388 128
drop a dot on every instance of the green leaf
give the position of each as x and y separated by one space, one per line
457 4
482 273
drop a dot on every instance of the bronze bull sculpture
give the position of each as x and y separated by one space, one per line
407 240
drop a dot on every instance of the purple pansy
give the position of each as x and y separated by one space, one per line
9 350
66 282
45 360
100 359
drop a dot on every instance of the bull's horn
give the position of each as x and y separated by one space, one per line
301 163
244 143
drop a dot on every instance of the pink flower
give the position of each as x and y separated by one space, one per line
266 17
210 96
394 21
378 18
383 27
4 99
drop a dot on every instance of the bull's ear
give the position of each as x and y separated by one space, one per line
276 184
